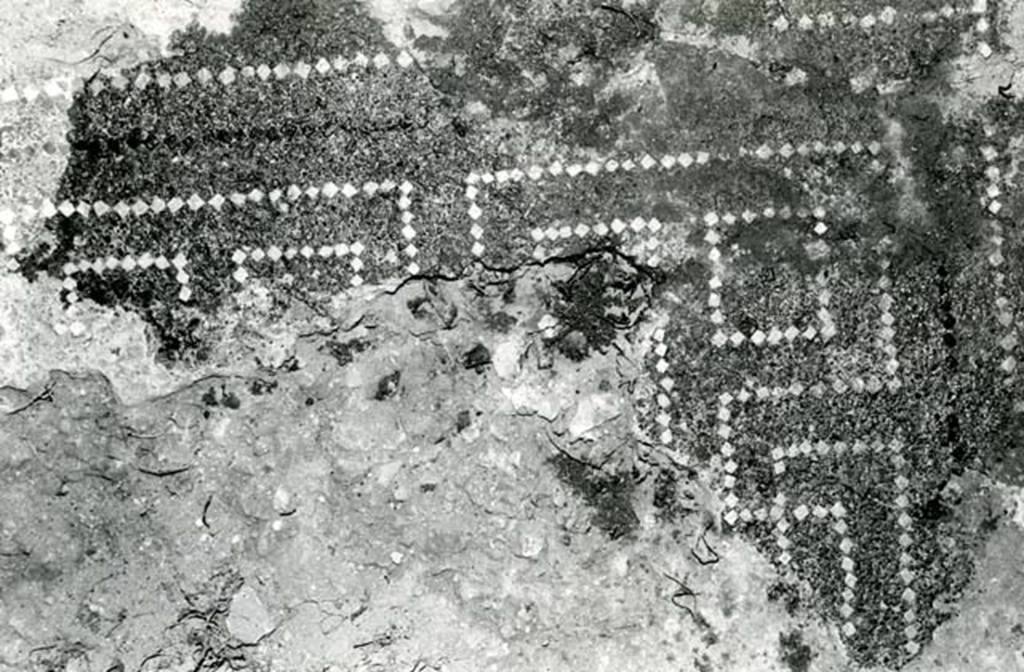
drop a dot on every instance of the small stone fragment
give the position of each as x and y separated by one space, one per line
477 358
592 411
387 387
248 619
507 355
530 545
463 420
283 502
537 400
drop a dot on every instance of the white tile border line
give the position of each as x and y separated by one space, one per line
736 515
762 393
666 383
146 261
774 335
886 340
907 573
643 249
780 513
1003 310
140 207
274 254
129 263
339 250
65 86
889 17
478 180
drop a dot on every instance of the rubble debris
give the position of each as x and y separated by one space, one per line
477 358
387 387
248 619
593 411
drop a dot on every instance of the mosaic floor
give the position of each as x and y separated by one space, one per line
782 236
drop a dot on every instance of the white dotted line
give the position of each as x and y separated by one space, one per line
803 512
713 238
837 511
747 515
888 17
805 448
66 86
788 150
750 391
556 169
734 515
474 211
1003 310
728 451
408 232
886 321
828 325
643 249
671 161
1004 314
665 386
778 513
139 207
837 385
980 8
775 335
828 20
846 609
276 254
128 263
808 448
906 563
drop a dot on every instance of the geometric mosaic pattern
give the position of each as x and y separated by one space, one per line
784 445
671 162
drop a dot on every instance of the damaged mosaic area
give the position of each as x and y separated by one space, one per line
751 270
